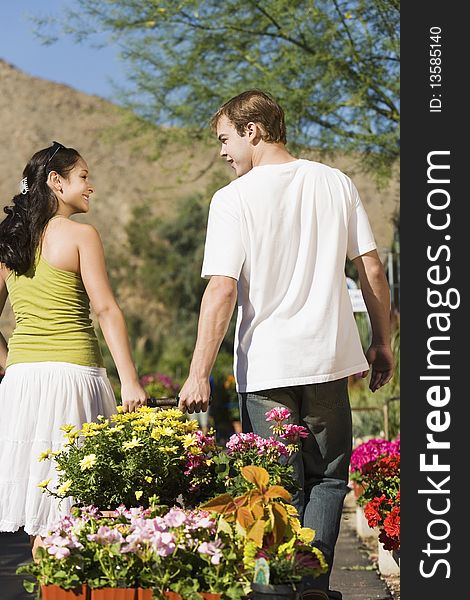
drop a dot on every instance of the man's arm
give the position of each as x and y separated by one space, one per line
376 293
216 311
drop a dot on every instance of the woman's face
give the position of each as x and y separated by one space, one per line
76 188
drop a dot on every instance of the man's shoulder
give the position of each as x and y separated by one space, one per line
321 168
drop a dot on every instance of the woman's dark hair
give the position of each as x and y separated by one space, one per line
22 228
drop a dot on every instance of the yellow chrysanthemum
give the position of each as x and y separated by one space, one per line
45 455
43 484
64 488
170 449
67 428
156 433
188 440
138 495
195 450
148 479
134 443
88 462
191 425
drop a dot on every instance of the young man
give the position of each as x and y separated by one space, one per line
281 233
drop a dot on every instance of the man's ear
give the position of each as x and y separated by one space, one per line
54 182
254 132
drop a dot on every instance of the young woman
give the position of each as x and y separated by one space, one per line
52 268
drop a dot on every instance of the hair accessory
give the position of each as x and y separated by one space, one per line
56 146
24 188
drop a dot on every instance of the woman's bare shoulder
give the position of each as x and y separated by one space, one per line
4 272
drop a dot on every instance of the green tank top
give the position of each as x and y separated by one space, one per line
52 313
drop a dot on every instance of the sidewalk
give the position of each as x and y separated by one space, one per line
14 549
353 574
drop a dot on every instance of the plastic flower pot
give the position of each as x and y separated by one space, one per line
272 592
172 596
54 592
211 596
121 594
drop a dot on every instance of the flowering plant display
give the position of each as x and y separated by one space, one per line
159 385
266 526
154 548
368 452
134 459
377 468
272 454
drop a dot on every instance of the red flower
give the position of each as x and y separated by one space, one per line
388 542
392 523
372 510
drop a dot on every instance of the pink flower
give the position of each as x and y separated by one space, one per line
293 433
272 444
105 535
174 517
59 551
371 450
212 549
278 414
164 543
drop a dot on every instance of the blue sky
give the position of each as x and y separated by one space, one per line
81 66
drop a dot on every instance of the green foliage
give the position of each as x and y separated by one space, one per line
131 458
47 570
157 278
267 526
153 548
334 66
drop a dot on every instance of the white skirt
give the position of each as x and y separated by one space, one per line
36 399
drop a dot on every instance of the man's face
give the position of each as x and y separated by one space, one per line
236 149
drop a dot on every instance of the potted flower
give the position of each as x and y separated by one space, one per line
86 556
132 458
136 553
271 453
381 498
57 570
277 550
366 453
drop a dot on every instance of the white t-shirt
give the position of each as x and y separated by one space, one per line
284 231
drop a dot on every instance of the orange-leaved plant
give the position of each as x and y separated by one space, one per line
268 525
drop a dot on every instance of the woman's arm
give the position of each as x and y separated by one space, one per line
110 317
3 298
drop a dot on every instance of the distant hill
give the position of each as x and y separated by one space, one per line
124 171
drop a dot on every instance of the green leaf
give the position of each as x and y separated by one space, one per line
29 586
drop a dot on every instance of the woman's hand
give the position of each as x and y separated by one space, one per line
133 396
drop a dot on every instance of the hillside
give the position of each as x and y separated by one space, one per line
124 171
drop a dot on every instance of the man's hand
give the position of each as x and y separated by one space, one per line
380 357
194 395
